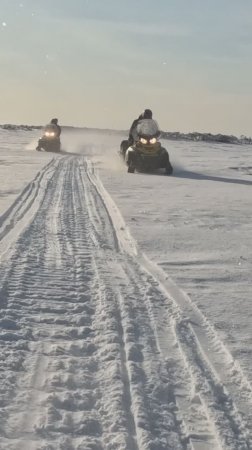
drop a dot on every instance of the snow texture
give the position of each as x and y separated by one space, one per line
125 299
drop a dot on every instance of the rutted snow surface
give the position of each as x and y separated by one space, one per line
99 349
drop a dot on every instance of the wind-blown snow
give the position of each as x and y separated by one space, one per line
125 299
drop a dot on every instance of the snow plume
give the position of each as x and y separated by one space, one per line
103 147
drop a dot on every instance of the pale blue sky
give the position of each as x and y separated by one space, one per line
99 63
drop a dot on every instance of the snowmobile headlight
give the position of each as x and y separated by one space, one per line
143 140
47 133
52 134
153 140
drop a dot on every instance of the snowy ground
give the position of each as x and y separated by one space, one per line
125 318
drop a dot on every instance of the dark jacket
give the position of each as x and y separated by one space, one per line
133 126
59 129
56 127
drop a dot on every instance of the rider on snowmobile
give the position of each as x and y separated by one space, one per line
54 124
147 114
50 141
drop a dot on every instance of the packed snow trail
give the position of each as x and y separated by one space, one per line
97 351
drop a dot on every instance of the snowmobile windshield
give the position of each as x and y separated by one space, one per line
51 127
147 127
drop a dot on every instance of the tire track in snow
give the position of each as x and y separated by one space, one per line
155 421
212 368
68 404
204 433
97 354
25 206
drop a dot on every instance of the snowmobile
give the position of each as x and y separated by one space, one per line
50 141
146 154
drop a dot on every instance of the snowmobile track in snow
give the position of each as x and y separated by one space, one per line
100 349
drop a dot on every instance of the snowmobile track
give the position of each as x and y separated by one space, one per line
101 351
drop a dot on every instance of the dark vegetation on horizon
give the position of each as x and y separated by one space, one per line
178 136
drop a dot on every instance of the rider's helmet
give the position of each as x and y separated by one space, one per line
147 114
54 121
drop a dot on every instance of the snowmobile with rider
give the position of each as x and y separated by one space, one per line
143 152
50 141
